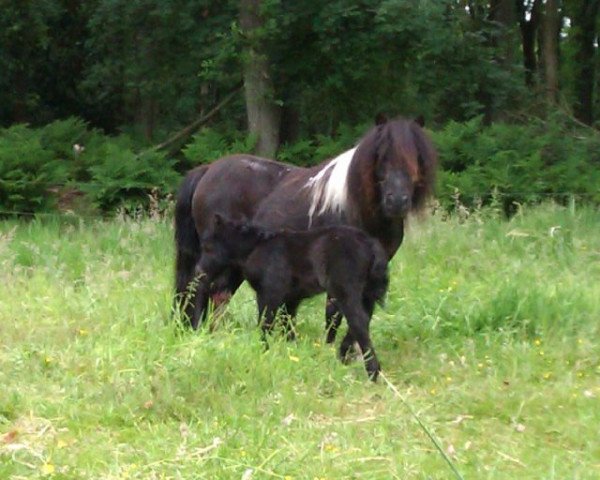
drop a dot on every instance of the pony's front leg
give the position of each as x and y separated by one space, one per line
333 319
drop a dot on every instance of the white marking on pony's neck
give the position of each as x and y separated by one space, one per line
329 187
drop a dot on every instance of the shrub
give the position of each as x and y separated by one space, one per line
208 145
313 151
39 168
27 171
118 175
519 163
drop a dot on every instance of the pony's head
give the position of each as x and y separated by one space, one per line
228 242
403 165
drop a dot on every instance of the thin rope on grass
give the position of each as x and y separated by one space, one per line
422 425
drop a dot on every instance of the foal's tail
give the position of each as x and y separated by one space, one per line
187 241
378 282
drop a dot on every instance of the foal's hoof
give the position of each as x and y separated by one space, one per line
373 376
330 336
350 352
290 336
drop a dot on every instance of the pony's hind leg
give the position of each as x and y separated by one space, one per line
185 285
333 319
200 300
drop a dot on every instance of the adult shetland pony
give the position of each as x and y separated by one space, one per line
373 186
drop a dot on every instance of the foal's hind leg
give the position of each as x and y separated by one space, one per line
291 307
333 319
358 329
267 310
348 340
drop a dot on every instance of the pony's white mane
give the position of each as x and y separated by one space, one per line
329 187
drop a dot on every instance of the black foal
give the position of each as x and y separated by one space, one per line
286 267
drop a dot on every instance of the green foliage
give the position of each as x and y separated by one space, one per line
27 171
118 175
322 147
154 60
209 144
501 164
518 163
39 166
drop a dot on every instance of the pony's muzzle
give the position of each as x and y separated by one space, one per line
396 205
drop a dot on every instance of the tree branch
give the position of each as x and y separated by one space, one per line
184 133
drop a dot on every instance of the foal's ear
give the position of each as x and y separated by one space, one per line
218 220
420 120
380 118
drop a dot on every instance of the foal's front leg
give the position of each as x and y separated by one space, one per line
267 311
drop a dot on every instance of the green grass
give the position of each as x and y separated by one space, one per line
490 332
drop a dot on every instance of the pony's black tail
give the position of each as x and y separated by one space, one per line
187 241
378 281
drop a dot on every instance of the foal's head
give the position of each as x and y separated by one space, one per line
403 165
228 242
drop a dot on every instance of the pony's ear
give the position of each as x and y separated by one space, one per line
380 118
218 220
420 120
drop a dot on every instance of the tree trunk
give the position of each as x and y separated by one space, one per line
290 124
503 40
584 33
262 111
503 12
528 38
550 32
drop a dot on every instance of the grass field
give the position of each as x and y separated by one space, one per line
490 332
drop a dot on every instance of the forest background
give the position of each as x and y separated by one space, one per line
106 103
